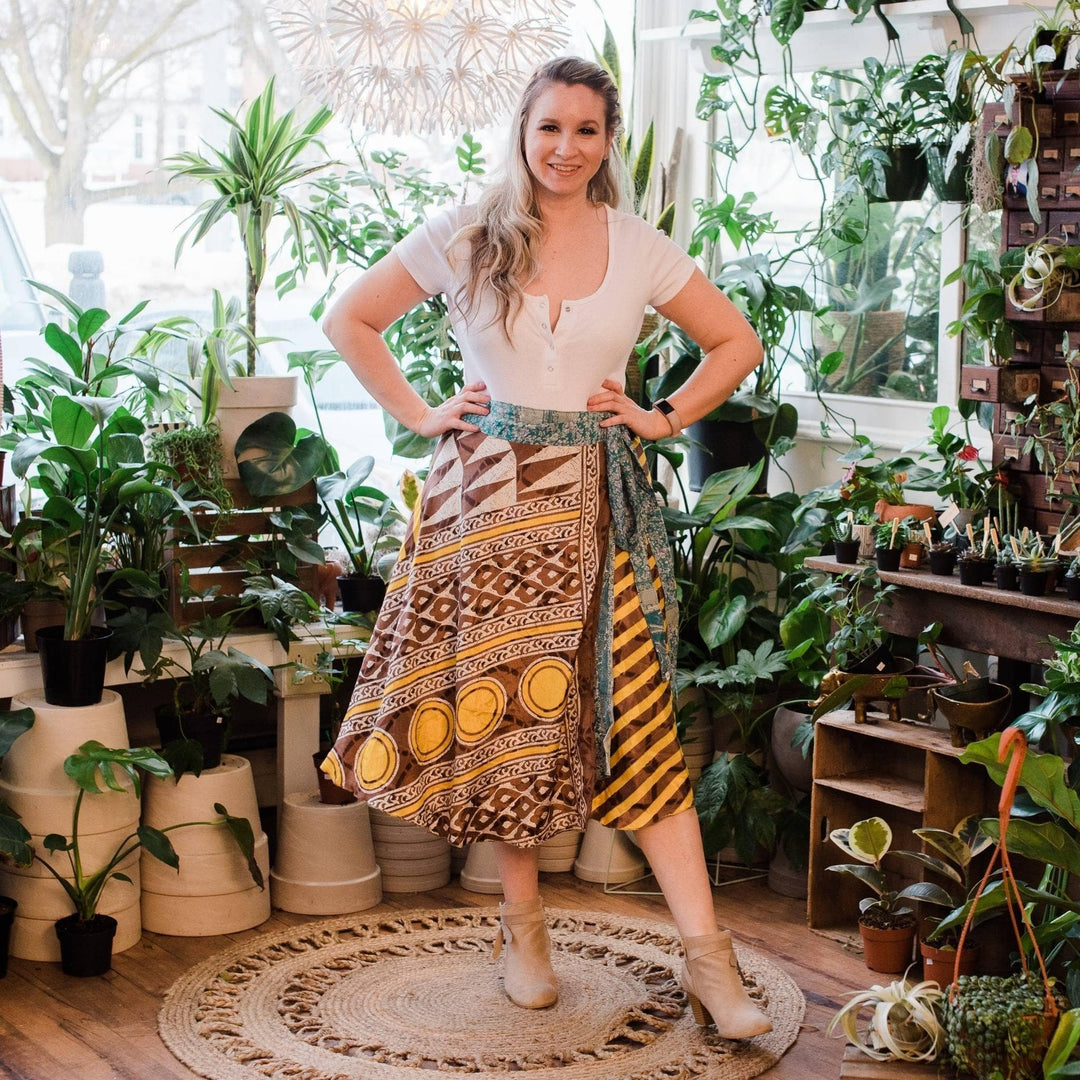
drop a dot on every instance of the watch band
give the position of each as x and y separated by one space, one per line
667 411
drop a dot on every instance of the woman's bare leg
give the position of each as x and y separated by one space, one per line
518 871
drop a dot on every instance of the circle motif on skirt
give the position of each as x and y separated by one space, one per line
431 730
480 706
378 761
331 767
544 687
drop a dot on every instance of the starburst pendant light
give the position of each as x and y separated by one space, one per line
416 66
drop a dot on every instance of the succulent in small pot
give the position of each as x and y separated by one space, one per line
845 543
891 539
942 558
1006 570
972 566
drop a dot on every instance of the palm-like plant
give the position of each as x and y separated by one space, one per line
254 175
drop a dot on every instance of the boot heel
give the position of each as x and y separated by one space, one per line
702 1016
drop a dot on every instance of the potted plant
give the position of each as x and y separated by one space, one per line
982 314
205 681
876 129
942 556
845 543
255 177
86 935
891 539
81 455
886 925
903 1024
352 506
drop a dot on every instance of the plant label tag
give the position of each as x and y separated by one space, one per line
948 515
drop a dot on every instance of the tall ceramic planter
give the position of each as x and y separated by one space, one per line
795 769
250 399
34 784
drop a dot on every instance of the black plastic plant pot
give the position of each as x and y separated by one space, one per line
847 551
942 563
361 593
905 176
888 558
988 568
1072 586
971 571
85 947
1033 582
952 186
7 917
207 729
73 672
1007 577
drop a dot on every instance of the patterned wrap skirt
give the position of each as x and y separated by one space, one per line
518 679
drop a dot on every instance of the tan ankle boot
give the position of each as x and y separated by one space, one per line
710 977
528 978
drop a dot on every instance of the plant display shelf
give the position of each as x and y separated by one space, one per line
980 618
243 535
909 774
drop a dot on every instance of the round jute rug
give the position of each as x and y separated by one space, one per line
354 998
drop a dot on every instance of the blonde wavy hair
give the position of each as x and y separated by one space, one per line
504 239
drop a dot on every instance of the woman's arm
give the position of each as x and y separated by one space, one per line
730 351
355 325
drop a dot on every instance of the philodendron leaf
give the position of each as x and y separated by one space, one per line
14 837
157 843
271 461
241 831
12 725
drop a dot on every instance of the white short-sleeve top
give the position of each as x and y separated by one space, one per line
540 367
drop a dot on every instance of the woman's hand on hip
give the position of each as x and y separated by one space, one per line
448 416
646 423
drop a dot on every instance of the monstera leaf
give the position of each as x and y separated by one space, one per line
271 460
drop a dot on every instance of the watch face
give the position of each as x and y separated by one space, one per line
664 406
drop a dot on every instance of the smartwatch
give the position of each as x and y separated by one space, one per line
667 411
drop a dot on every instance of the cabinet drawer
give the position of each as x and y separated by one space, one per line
1059 343
1008 450
1009 420
1066 117
1051 156
1053 379
1022 230
984 383
1027 346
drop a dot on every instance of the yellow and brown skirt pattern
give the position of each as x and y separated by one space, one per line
473 710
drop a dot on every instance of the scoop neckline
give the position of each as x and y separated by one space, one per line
546 297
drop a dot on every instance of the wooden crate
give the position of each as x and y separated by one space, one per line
230 540
909 774
857 1066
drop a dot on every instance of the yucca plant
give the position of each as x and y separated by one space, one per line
254 175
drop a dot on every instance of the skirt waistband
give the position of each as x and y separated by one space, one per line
553 427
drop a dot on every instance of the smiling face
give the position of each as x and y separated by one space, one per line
565 140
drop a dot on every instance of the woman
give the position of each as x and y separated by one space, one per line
519 678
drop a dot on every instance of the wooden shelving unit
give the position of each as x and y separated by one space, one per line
909 774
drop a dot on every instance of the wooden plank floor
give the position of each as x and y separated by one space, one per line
55 1028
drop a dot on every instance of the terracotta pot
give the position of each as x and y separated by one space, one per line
329 792
887 950
941 964
884 511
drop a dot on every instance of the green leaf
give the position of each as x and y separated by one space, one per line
90 322
1045 841
1066 1035
12 725
157 844
72 425
869 839
271 462
61 342
14 837
241 831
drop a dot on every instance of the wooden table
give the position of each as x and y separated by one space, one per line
980 618
296 705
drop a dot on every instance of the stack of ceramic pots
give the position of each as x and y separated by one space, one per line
213 892
608 856
557 855
411 858
33 783
480 873
325 861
